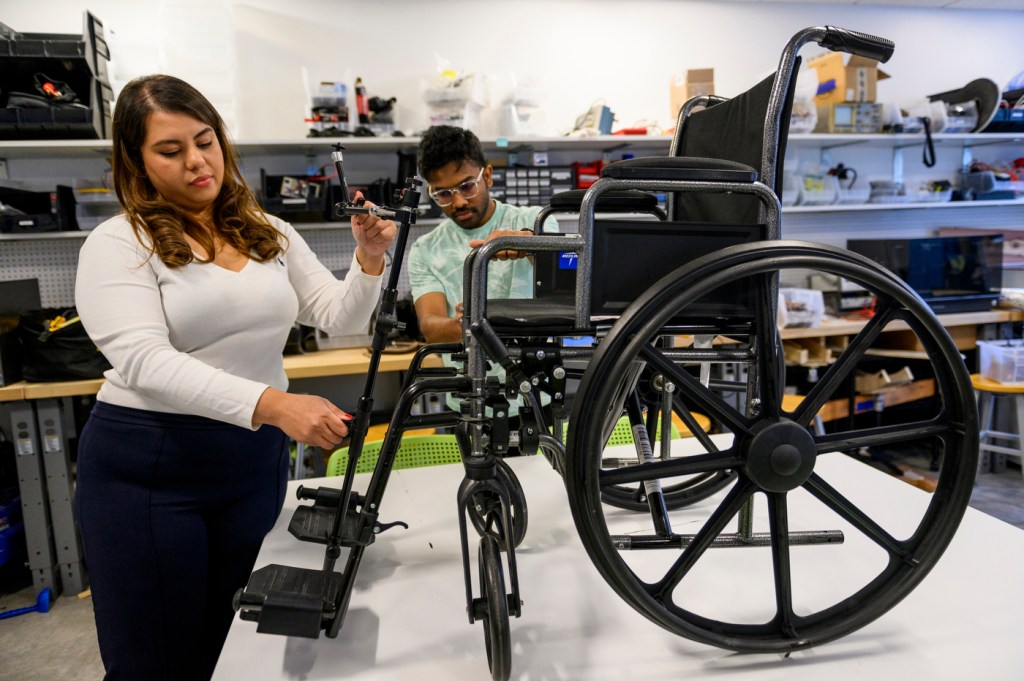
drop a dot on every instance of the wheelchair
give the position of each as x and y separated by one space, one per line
668 299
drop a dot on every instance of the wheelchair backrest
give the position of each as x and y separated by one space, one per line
736 129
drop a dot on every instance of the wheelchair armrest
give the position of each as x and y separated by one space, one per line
475 267
681 168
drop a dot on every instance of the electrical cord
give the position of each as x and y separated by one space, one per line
928 153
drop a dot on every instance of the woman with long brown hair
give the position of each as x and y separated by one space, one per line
190 294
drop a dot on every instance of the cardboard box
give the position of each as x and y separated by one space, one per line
853 82
685 86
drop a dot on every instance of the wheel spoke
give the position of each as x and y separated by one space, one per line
825 388
687 416
778 522
845 508
943 388
683 465
883 435
725 512
704 399
769 350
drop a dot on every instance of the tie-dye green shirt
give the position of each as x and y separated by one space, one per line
436 259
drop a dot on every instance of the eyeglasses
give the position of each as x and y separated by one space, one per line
467 190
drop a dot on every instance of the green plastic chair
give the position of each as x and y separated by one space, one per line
623 434
416 451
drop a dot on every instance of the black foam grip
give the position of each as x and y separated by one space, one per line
491 343
862 44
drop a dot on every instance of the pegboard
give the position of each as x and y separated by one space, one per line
53 261
335 247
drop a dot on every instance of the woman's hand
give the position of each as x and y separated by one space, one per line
373 238
308 419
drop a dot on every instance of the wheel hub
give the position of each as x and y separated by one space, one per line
780 456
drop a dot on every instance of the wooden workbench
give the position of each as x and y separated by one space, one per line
341 362
962 326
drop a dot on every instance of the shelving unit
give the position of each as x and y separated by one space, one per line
24 157
52 256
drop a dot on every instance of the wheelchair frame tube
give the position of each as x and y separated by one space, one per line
392 441
475 282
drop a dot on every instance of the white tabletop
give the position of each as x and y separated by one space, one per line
407 616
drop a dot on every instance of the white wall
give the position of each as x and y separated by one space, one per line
622 52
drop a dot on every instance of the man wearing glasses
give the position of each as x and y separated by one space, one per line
452 161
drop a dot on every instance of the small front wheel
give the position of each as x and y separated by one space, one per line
485 509
497 634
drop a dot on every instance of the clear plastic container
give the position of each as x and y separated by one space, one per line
1002 361
887 191
818 189
790 189
925 196
95 205
854 195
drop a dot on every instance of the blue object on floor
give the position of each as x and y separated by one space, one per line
42 605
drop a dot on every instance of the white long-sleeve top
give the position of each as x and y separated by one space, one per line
201 339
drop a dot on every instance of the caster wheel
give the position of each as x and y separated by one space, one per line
485 509
823 551
497 635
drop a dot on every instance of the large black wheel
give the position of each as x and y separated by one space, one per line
794 485
485 509
497 633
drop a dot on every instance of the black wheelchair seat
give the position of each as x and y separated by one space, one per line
680 168
623 200
554 316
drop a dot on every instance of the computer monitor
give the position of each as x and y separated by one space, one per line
951 274
19 295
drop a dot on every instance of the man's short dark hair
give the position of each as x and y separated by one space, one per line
443 144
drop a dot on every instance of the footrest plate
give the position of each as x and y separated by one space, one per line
290 601
314 523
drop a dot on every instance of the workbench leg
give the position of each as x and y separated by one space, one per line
55 428
35 507
986 406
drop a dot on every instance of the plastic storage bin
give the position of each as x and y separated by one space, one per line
93 206
79 61
297 198
36 211
1002 361
818 189
856 195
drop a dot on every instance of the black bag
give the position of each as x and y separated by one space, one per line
56 347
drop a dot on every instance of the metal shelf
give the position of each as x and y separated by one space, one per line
292 146
78 148
854 207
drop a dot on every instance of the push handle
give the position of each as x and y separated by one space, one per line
862 44
339 164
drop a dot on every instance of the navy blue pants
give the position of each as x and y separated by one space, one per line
172 510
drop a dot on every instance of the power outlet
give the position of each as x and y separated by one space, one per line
3 168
